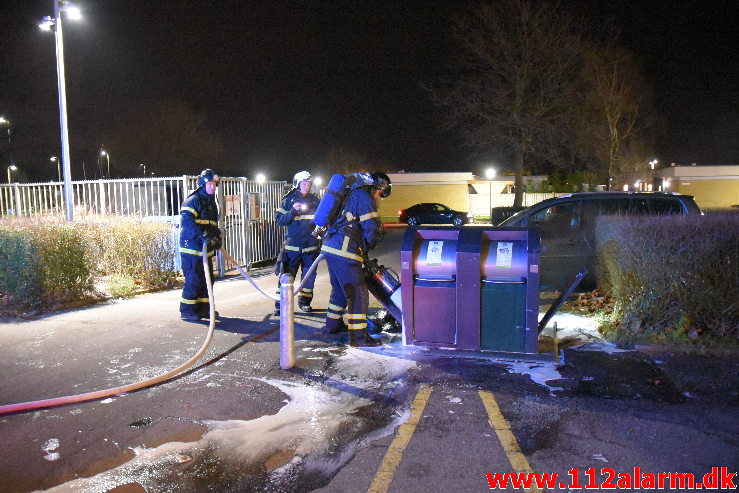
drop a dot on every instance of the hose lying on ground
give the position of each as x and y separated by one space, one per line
28 406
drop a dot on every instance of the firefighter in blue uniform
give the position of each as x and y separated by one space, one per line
345 245
296 212
198 224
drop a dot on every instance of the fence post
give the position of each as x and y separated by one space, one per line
101 194
17 200
287 329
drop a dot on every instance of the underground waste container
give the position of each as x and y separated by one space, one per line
509 294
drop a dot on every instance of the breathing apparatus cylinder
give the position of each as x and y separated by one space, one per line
331 203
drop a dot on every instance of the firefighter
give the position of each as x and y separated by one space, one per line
345 246
198 224
300 250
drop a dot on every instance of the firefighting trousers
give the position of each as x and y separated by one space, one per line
348 294
194 300
300 261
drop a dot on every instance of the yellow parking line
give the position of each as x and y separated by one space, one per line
386 472
507 440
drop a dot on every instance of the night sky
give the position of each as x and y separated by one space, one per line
281 83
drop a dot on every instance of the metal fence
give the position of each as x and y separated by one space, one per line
247 207
481 204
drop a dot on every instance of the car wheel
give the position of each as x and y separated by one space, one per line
412 221
457 221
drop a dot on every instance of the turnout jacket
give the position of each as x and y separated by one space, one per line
357 230
198 222
300 223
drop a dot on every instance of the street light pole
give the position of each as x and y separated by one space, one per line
107 157
12 167
490 174
47 23
55 159
59 39
142 164
6 122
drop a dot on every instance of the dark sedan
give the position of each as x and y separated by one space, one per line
432 213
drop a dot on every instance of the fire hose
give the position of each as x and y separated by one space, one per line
98 394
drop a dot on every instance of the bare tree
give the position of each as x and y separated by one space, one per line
620 111
515 87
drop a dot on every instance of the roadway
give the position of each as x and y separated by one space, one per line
391 418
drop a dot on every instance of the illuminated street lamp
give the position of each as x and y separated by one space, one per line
107 156
6 122
261 178
653 163
490 174
317 180
12 167
55 23
144 166
55 159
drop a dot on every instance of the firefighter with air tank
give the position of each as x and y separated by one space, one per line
347 240
301 247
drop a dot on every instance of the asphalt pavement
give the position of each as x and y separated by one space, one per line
392 418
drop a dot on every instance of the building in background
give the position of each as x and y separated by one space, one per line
713 186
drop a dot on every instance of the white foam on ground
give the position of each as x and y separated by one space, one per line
307 423
540 373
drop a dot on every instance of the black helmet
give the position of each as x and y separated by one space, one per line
207 175
381 181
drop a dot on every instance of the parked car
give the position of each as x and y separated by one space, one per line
433 213
567 225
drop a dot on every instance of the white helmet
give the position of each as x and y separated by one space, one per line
301 176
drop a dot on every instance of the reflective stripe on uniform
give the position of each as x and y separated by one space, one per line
281 210
190 209
206 221
342 253
305 217
369 215
298 249
188 302
196 252
336 308
203 300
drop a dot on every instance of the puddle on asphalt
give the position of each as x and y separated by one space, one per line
299 448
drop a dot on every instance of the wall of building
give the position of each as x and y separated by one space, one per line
712 186
453 195
709 194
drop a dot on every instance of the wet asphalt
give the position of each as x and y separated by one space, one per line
336 422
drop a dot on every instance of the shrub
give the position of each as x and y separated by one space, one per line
49 261
20 274
674 277
44 263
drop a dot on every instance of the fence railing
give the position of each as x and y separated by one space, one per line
480 204
247 208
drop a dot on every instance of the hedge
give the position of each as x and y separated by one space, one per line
674 278
47 262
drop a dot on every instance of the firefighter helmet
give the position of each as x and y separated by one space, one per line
207 175
301 176
380 181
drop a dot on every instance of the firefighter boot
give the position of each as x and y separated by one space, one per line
359 338
334 326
